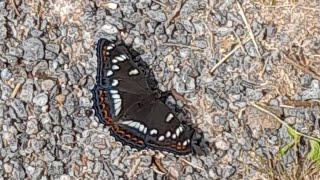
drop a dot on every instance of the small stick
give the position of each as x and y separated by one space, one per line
195 166
228 55
181 45
159 3
174 13
15 90
249 28
15 7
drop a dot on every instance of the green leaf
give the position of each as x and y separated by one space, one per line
293 134
314 154
294 139
284 149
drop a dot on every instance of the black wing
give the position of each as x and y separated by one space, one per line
124 101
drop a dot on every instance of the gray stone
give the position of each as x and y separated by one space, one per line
48 157
7 168
17 52
158 16
33 49
67 139
188 26
3 31
32 126
228 171
85 102
40 99
55 168
18 171
53 48
47 85
253 95
5 74
36 33
310 94
19 108
185 52
222 144
6 91
26 93
201 44
50 55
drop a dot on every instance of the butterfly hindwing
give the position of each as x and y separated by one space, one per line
124 101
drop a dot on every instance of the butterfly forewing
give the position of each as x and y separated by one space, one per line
124 101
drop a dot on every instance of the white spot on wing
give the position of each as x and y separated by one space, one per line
174 136
137 125
114 82
126 122
109 73
168 134
133 124
177 132
112 91
120 58
141 128
115 96
115 67
116 100
181 129
169 117
153 131
109 47
145 130
185 143
161 138
118 111
117 105
114 61
123 56
133 72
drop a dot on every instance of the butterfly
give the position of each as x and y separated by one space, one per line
124 101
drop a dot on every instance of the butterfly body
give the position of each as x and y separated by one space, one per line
124 101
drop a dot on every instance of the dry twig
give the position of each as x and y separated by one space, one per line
228 55
249 29
174 13
302 68
15 90
193 165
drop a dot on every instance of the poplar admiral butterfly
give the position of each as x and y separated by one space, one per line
124 101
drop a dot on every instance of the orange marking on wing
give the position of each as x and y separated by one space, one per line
121 132
134 139
115 127
179 147
140 142
104 53
128 136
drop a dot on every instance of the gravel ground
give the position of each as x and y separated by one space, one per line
226 59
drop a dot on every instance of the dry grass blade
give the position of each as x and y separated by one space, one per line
282 122
249 29
228 55
193 165
181 45
174 13
302 68
15 7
